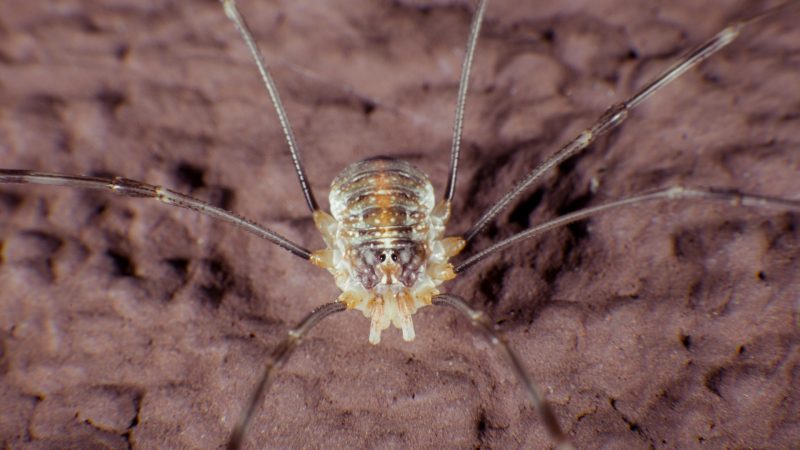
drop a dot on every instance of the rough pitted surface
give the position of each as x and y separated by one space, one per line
128 324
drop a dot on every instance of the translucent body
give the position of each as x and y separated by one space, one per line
385 244
382 201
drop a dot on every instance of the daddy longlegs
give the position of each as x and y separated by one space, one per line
779 204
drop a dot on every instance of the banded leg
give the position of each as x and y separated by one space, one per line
617 114
277 359
675 193
233 14
488 331
132 188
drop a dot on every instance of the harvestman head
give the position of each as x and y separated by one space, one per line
385 236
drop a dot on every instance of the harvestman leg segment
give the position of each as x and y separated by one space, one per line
132 188
617 114
613 117
276 360
492 335
674 193
463 86
233 14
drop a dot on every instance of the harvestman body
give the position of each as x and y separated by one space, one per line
385 238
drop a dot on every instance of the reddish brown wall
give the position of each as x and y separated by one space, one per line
646 327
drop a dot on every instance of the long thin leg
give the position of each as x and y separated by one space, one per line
133 188
674 193
277 359
617 114
493 336
233 14
463 85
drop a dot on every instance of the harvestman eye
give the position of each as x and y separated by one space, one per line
386 207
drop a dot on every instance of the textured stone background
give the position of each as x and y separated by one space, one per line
124 323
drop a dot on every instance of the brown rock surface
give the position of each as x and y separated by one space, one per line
125 323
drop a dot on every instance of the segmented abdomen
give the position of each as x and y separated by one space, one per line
382 201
